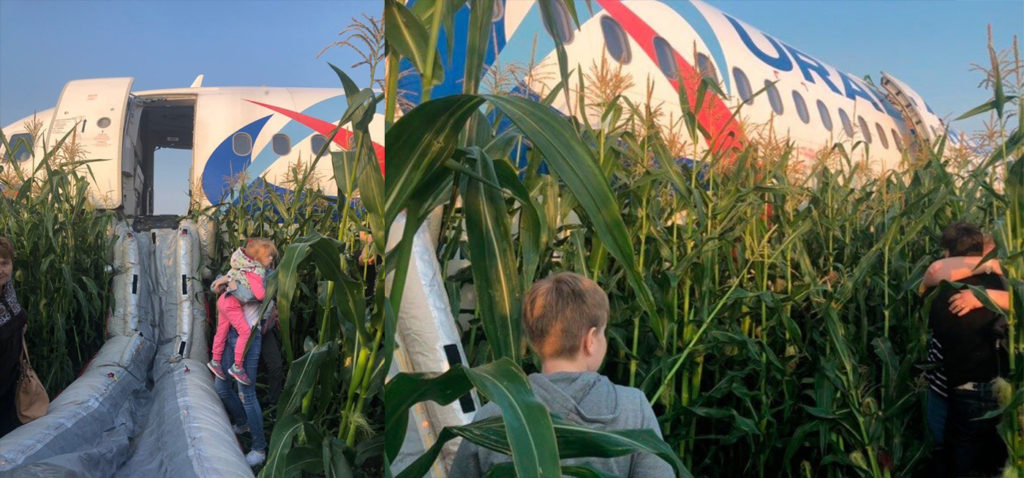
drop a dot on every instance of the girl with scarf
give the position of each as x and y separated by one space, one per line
13 321
244 284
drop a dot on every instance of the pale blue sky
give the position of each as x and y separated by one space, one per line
162 44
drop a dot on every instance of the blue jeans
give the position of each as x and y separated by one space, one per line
936 409
248 411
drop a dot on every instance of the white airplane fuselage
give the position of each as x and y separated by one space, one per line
234 133
672 45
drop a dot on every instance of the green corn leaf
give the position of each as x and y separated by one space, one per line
478 38
529 432
418 145
494 273
285 431
302 376
574 164
409 38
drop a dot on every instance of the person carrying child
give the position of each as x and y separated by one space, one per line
564 317
244 283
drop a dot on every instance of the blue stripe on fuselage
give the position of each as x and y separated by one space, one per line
696 19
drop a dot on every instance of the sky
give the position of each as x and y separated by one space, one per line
930 45
162 44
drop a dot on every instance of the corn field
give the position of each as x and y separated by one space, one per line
330 413
772 319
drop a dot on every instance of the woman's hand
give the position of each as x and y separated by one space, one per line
963 302
220 285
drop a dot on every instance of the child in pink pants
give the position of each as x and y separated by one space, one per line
244 283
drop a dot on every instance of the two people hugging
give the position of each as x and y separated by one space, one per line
241 292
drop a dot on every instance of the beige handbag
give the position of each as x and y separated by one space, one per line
31 400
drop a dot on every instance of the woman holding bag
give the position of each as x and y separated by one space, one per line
13 321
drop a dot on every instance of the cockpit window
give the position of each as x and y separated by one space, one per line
21 147
615 40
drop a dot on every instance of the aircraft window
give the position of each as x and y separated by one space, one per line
773 96
317 142
21 144
498 10
881 136
706 68
801 107
896 140
847 127
563 23
743 86
666 58
615 40
241 144
826 118
282 144
103 122
864 128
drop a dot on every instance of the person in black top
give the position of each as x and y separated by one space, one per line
13 320
971 358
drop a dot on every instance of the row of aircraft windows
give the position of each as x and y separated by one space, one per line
617 43
241 143
775 100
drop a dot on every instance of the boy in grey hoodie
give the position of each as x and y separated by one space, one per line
564 317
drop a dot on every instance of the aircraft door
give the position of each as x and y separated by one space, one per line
96 109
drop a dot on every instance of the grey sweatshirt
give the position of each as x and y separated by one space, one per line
584 398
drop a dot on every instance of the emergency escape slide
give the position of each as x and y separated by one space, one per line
145 405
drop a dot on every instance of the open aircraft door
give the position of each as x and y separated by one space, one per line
909 104
96 110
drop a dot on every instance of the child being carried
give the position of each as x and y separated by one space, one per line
244 283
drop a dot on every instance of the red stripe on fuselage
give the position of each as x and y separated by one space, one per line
726 133
343 138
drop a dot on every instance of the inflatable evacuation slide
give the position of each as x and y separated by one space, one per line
145 405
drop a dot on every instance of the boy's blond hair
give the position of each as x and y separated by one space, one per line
559 310
258 244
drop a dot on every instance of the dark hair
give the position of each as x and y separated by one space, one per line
963 239
6 249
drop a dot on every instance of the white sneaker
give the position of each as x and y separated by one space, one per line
255 457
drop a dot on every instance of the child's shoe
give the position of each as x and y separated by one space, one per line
255 457
217 370
239 375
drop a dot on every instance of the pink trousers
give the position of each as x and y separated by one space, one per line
229 312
